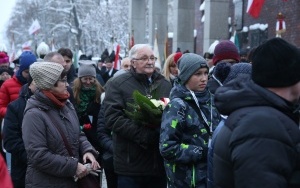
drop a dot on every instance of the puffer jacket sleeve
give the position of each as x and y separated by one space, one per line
261 150
86 146
104 134
12 132
4 99
250 155
172 146
34 130
116 120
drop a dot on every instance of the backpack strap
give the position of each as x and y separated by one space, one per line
197 110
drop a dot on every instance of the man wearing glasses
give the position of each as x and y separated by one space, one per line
137 160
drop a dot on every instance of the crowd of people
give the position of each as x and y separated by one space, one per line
231 118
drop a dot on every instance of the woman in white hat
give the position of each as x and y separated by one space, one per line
56 148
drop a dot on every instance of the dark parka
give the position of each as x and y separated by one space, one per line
184 137
259 146
49 164
135 147
12 137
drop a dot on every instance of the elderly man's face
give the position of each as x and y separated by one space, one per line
144 61
125 64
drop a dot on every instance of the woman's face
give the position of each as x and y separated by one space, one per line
198 80
61 86
173 69
87 81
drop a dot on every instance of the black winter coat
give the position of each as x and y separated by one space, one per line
91 116
259 146
12 137
106 76
104 136
136 149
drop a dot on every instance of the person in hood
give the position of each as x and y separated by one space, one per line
12 134
10 89
225 51
187 124
259 144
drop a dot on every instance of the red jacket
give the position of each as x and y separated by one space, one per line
9 92
5 180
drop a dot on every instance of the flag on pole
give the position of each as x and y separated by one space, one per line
254 7
27 45
117 61
166 54
13 51
131 41
35 27
52 46
156 51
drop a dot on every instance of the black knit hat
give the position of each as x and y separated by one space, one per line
9 71
276 63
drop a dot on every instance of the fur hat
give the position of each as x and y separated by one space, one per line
42 49
4 58
104 55
45 74
276 63
86 68
225 50
9 71
188 64
26 59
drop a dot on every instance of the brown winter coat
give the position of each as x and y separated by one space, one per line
49 164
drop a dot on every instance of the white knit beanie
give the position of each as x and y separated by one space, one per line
45 74
42 49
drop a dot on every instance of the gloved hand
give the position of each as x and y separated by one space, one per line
84 170
91 170
81 171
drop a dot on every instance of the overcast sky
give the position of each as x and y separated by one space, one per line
6 9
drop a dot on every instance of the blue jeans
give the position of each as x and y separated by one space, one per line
141 182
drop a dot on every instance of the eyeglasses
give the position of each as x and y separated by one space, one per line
144 59
64 80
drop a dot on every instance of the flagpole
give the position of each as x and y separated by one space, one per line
166 46
155 46
12 56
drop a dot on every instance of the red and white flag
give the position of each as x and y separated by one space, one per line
27 45
131 41
117 61
254 7
34 28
